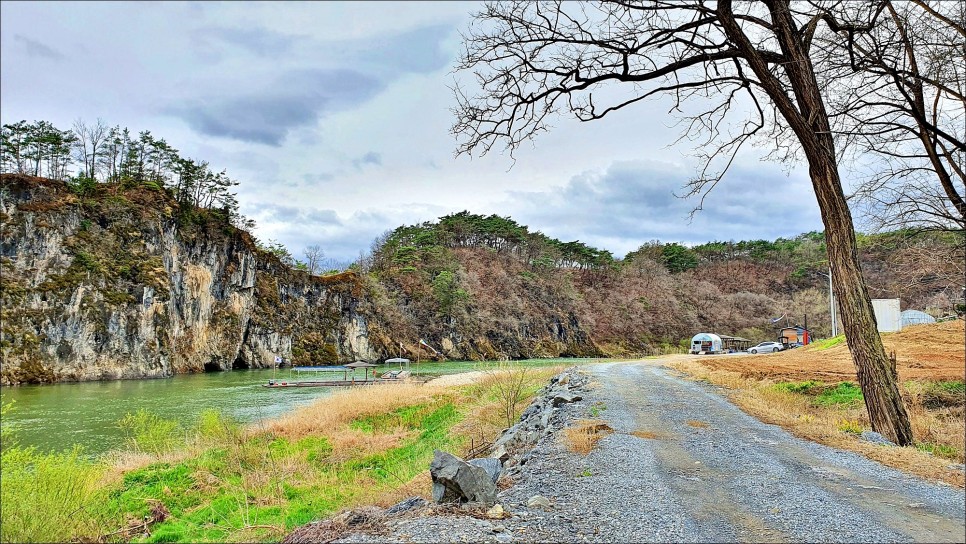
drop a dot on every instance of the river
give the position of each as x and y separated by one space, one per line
58 416
55 417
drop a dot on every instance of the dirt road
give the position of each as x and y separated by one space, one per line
698 469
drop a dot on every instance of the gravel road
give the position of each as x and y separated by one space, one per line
707 473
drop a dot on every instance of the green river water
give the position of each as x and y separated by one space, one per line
56 417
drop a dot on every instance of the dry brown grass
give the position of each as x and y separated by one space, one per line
697 424
583 435
799 415
648 435
923 352
334 412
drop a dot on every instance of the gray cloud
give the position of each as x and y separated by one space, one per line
633 202
296 99
260 41
370 157
37 49
417 50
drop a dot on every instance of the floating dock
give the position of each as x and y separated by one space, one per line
324 383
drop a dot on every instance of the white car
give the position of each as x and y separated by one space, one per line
766 347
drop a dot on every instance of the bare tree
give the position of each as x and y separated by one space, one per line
89 143
313 259
895 78
533 60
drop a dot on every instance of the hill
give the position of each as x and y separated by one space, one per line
124 280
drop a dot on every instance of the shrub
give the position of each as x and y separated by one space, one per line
46 497
149 433
850 426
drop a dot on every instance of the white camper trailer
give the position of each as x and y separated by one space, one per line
706 343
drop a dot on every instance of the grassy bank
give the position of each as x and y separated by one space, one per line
219 481
835 414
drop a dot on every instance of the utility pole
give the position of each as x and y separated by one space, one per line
831 300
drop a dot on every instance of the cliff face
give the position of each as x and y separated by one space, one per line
118 285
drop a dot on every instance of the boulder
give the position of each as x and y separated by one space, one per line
561 398
500 453
538 501
492 466
455 480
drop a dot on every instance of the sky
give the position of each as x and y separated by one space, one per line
335 118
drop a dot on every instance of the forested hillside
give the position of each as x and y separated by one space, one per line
150 275
489 287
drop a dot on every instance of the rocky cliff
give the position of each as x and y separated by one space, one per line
124 284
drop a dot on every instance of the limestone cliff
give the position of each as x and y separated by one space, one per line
122 284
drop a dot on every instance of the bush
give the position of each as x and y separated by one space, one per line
149 433
46 497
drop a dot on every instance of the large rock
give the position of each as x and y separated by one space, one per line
455 480
492 466
564 397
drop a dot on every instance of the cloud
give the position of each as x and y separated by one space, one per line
633 202
340 237
370 157
260 41
37 49
417 51
295 99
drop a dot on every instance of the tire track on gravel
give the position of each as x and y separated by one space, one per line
757 482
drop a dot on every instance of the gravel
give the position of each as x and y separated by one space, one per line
699 471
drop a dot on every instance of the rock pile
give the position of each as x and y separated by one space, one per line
469 484
542 417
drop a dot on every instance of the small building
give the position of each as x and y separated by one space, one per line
793 335
887 314
915 317
705 343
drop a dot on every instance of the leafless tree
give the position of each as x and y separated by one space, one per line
313 259
90 141
534 60
895 80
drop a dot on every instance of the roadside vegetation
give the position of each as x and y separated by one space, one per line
216 480
809 392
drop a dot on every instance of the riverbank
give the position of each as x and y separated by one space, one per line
95 408
217 480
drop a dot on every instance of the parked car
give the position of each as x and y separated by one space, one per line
766 347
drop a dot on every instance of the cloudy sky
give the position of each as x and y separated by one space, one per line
335 118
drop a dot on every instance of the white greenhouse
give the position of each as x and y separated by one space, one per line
915 317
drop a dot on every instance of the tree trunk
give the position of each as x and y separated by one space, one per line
807 117
876 372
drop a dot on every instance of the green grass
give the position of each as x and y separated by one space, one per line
843 394
797 387
939 450
215 481
846 394
827 343
46 496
